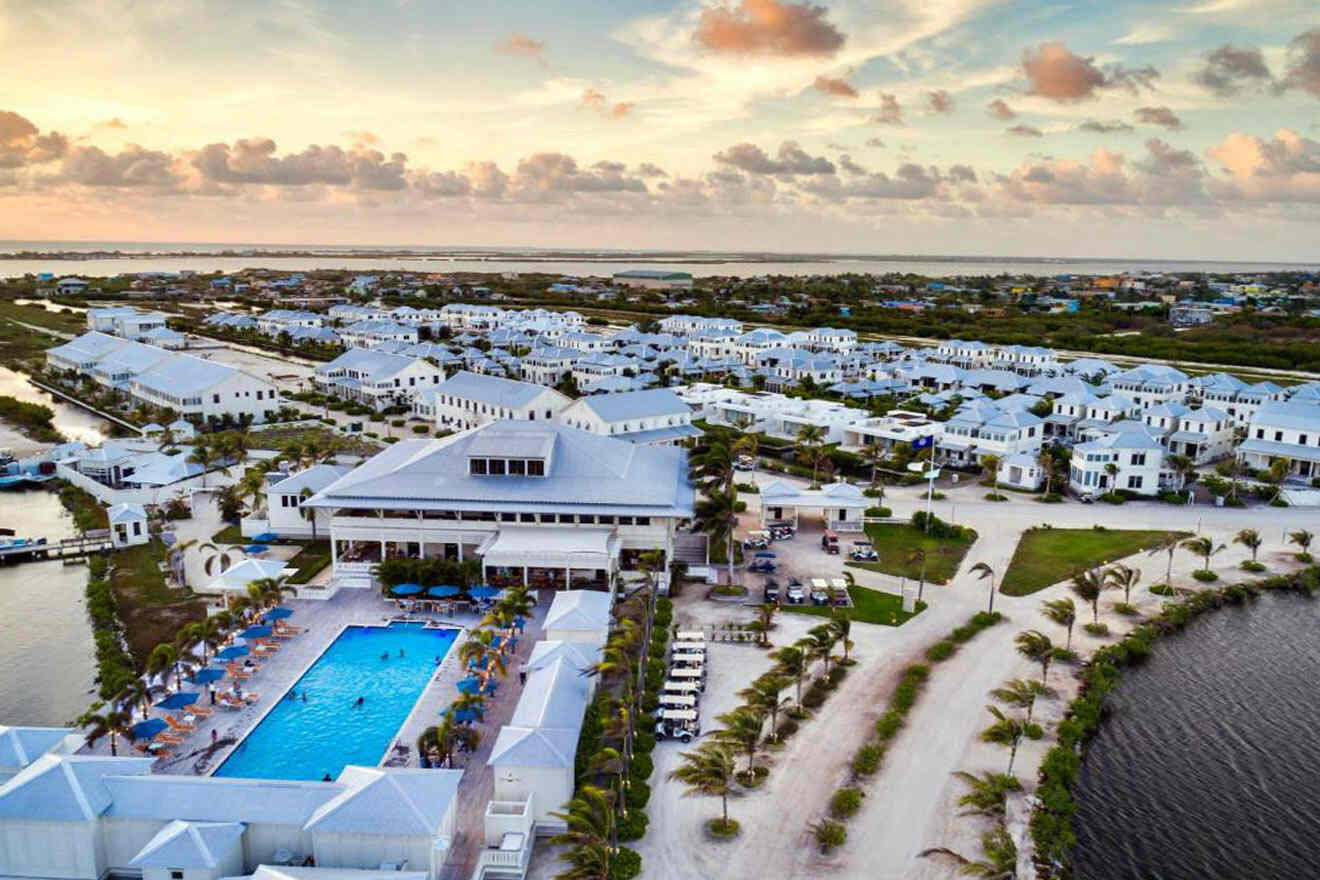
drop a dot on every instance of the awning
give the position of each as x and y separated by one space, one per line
553 548
1280 450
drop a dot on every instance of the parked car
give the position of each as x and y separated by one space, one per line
796 593
863 551
756 541
763 562
820 592
829 542
771 591
780 531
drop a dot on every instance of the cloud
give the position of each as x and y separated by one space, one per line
21 142
597 101
768 27
520 44
791 160
1164 177
839 88
1162 116
593 98
254 161
116 122
1026 131
910 181
848 166
1053 71
15 128
647 169
362 138
962 174
1145 34
939 101
890 111
547 174
1229 69
443 184
874 142
620 110
1303 70
1285 168
131 167
1115 127
998 109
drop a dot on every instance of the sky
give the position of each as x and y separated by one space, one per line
1185 129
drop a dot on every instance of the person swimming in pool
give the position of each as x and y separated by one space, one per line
401 652
385 656
360 701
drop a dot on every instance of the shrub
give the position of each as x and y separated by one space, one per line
1205 575
643 743
845 802
1096 629
1305 558
888 725
1252 566
995 496
879 512
626 864
740 506
1050 498
936 527
814 698
749 488
633 826
983 619
637 796
942 650
398 423
873 493
837 674
1163 590
1065 655
642 767
787 728
830 834
963 633
1032 730
723 827
867 760
1126 608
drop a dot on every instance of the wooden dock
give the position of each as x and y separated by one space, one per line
36 549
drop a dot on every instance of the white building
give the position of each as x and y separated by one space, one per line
897 426
536 501
466 400
983 428
654 417
125 322
579 616
285 494
376 378
1150 385
128 525
689 324
1129 459
1290 431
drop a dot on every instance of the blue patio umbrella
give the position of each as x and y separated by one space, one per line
406 589
469 685
475 663
177 701
443 592
463 716
147 729
491 687
483 592
255 549
207 675
278 613
265 538
255 632
233 652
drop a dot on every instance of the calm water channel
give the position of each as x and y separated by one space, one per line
71 421
1209 765
47 664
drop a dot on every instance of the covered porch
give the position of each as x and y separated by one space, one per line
841 505
556 559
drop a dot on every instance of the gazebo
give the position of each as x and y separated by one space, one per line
842 505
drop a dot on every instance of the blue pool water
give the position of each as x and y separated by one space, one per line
307 740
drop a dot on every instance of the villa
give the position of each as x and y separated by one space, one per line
1131 459
376 378
536 502
467 400
654 417
1290 431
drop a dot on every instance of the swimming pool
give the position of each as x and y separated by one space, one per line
308 739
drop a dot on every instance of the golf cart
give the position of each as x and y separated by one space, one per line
763 562
689 635
674 687
771 591
820 592
756 541
863 551
679 724
795 594
687 661
780 530
744 463
690 675
678 701
829 542
688 649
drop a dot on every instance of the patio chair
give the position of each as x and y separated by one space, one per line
179 725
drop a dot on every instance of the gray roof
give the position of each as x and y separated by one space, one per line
1288 414
499 443
218 799
508 393
580 656
184 374
588 472
60 788
580 611
410 802
20 746
190 845
531 747
635 404
88 347
315 478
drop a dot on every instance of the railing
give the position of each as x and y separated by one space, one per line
355 575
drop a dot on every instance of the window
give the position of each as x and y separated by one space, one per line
1301 439
625 520
527 517
215 398
547 517
137 528
508 517
496 466
1138 458
535 467
643 520
1278 436
1260 433
477 466
517 467
566 518
605 519
1134 482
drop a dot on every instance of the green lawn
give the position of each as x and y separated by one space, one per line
278 437
895 541
314 555
869 606
230 534
1047 556
151 612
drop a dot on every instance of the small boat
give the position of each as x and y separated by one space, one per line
13 481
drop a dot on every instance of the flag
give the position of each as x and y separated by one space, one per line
924 442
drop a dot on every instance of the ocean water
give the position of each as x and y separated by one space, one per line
309 739
1208 767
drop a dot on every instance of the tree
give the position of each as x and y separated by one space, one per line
1048 466
765 615
205 633
874 454
987 794
982 570
1036 647
742 728
164 658
810 447
714 467
792 662
716 513
820 643
203 455
1278 472
111 723
764 696
1168 544
447 737
1302 538
707 770
841 623
1231 470
307 513
1007 731
1249 538
1112 470
590 820
1181 465
1123 577
134 693
1202 547
480 647
991 465
1088 585
1064 613
1022 693
917 556
268 592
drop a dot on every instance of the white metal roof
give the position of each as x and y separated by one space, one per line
190 845
580 610
410 802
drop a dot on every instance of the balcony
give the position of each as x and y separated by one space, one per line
509 838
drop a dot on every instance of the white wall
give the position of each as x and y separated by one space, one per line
50 849
551 788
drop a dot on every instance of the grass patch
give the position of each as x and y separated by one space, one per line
310 560
894 542
868 606
32 419
87 512
151 612
279 437
230 534
1045 556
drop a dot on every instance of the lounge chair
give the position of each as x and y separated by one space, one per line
200 711
225 701
179 725
251 698
169 740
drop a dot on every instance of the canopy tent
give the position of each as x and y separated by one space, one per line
483 592
278 613
580 549
255 549
406 589
265 538
237 578
259 631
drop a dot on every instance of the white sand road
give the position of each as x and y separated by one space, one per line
911 804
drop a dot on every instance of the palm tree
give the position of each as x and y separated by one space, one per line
1045 461
742 728
1112 470
203 455
875 455
164 658
792 662
1088 584
591 826
1182 466
1036 647
480 646
988 793
1232 469
999 860
1202 547
1006 731
1168 544
717 514
714 467
213 556
475 703
809 447
268 592
707 770
982 570
205 633
764 696
917 556
765 615
1022 692
1249 538
109 723
1064 613
446 738
136 692
1302 538
991 464
1123 577
841 623
820 643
